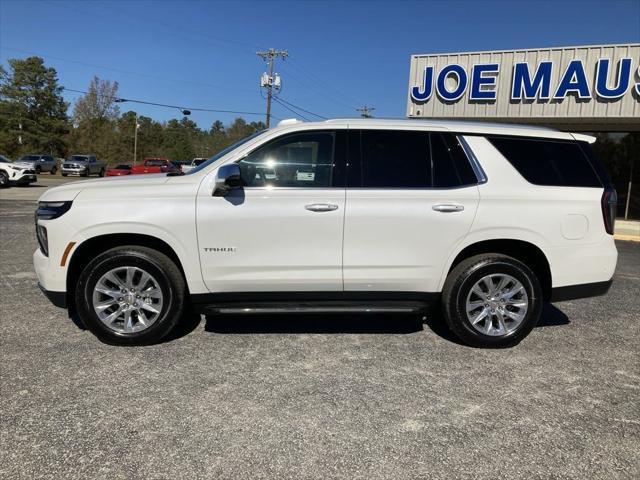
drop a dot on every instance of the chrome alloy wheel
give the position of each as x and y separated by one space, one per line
127 299
497 305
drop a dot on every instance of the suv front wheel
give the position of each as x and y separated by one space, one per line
130 295
491 300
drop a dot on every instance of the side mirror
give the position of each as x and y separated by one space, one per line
227 179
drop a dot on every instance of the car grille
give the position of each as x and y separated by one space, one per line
27 172
70 165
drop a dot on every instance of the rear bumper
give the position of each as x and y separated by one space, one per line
572 292
59 299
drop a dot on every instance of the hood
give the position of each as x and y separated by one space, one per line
16 166
24 163
70 191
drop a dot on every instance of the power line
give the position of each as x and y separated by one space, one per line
298 114
119 70
349 101
156 104
300 108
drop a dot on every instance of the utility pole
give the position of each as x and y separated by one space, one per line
267 80
365 112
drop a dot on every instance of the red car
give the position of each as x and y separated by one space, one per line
155 165
118 170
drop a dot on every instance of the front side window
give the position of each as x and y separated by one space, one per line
303 159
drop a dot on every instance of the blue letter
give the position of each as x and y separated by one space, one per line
441 87
477 80
536 88
573 80
622 83
427 87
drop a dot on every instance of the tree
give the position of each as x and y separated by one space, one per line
33 114
98 103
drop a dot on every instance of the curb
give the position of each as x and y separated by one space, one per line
628 238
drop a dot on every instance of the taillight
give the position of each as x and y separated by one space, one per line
609 207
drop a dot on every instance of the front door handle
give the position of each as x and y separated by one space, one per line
448 207
321 207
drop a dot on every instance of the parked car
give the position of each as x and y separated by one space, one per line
361 215
119 170
38 163
155 165
194 163
83 165
14 174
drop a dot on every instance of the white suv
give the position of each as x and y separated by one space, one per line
343 215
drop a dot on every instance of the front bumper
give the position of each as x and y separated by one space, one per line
59 299
74 171
24 179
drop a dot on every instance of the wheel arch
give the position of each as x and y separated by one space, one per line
93 246
527 252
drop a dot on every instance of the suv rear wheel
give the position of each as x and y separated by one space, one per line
130 296
491 300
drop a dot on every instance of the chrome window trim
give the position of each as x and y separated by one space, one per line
481 176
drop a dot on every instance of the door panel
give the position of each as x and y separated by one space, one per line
283 230
407 208
395 240
261 240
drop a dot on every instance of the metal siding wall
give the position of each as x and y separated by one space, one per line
571 110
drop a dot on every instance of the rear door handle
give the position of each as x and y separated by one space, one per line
321 207
448 207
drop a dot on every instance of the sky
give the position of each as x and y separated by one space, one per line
342 55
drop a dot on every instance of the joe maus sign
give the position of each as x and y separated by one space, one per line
582 88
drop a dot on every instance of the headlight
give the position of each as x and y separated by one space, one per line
51 210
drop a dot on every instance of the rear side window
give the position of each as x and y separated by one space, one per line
407 159
395 159
548 162
450 165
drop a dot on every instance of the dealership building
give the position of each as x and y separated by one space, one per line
590 89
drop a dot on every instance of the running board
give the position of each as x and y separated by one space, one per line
313 307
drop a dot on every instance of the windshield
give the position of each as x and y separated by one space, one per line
30 158
79 158
223 152
155 163
4 159
123 167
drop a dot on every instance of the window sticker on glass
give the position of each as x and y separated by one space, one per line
305 176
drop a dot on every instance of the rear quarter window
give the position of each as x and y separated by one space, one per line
548 162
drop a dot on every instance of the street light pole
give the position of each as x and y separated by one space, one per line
135 140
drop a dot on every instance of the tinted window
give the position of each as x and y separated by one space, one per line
450 164
296 160
395 159
548 162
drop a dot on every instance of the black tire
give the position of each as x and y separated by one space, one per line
168 276
85 173
54 169
64 174
101 172
4 180
460 282
38 169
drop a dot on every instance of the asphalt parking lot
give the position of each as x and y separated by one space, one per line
358 397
